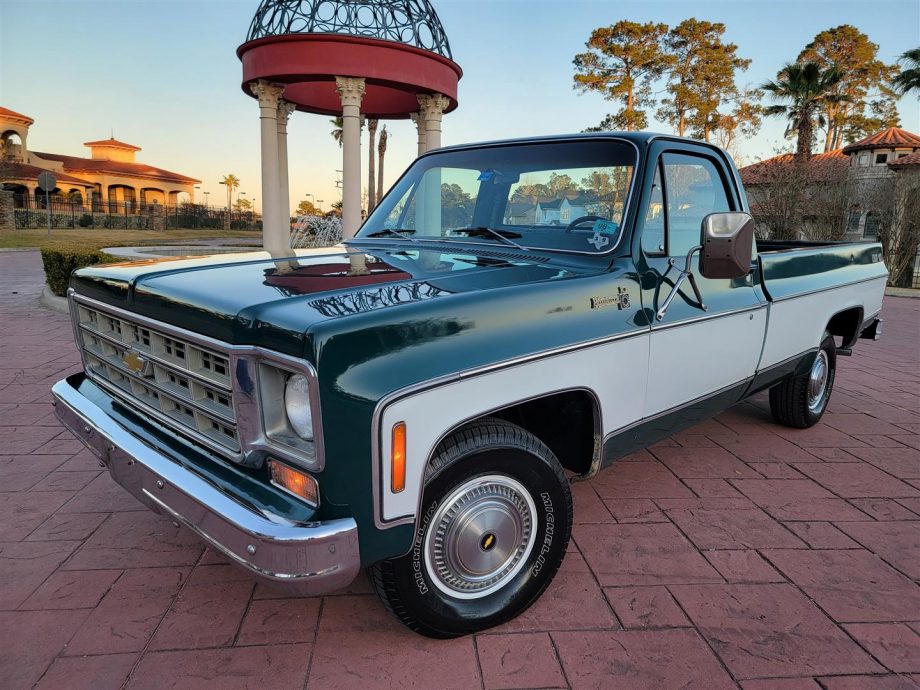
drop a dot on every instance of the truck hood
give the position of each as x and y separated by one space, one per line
273 300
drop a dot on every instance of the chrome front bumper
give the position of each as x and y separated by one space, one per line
300 558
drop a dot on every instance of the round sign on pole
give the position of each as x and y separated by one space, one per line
47 182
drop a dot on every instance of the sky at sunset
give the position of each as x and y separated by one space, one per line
165 76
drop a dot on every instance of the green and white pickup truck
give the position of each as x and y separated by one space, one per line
512 317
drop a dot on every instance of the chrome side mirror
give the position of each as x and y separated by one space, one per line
728 241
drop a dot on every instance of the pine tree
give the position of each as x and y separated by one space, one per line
621 62
701 76
864 81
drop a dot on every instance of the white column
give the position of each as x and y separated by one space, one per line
351 91
428 201
284 208
275 236
419 121
431 109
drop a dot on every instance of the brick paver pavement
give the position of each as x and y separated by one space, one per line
738 553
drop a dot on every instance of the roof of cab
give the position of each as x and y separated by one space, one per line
638 139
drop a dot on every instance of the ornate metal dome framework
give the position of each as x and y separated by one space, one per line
410 22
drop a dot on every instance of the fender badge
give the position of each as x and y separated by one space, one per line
605 301
621 299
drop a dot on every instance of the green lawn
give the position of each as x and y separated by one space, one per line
96 238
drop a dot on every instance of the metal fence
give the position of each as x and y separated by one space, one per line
33 212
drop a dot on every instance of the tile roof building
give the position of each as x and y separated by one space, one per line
892 138
110 175
860 173
824 166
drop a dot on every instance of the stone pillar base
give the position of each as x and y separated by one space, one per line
157 218
7 214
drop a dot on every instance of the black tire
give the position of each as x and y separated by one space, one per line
491 447
789 399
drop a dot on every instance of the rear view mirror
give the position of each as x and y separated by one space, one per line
727 241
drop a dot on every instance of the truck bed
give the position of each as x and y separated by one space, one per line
791 268
770 246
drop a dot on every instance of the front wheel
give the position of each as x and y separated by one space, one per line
800 401
495 522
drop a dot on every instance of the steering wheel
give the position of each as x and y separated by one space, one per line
584 219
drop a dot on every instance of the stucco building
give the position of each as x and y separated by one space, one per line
110 176
864 191
871 159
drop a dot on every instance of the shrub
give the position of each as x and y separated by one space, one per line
316 231
85 220
61 261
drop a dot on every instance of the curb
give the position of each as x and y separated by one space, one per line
910 293
4 250
52 301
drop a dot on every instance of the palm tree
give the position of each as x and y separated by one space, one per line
337 129
382 151
909 78
232 182
807 89
371 181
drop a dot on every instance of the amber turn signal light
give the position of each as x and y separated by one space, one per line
298 483
398 458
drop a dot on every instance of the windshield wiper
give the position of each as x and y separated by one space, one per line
394 231
503 235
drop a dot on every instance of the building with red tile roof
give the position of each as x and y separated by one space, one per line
13 116
891 138
823 166
911 160
875 174
110 174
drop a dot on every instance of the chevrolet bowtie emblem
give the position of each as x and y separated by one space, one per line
135 363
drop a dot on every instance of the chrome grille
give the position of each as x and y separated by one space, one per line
183 385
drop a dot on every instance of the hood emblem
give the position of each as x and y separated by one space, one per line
136 363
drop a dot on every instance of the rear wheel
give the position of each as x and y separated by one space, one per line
800 401
495 522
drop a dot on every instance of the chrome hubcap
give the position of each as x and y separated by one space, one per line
480 536
817 381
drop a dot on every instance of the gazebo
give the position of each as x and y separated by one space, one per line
382 59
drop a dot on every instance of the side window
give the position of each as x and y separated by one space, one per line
653 229
694 189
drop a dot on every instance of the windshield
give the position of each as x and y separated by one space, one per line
556 195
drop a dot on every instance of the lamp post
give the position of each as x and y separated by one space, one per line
198 188
239 201
319 205
206 195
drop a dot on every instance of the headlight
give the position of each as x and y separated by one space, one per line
297 406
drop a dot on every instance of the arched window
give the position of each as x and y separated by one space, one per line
853 220
10 146
871 229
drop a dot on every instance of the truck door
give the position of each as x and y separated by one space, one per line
701 356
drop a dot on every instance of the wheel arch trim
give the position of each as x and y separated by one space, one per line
377 429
